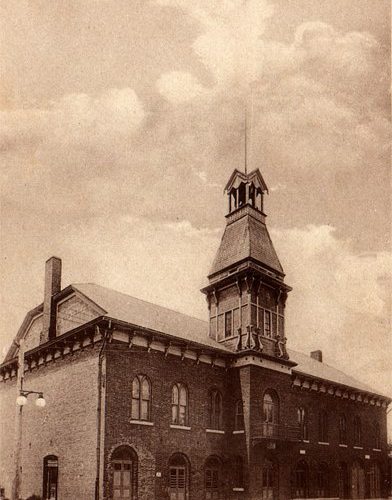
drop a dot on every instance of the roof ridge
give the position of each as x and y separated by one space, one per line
142 300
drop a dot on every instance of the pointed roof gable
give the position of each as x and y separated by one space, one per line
255 176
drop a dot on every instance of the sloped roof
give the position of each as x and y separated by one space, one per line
255 176
309 366
245 238
148 315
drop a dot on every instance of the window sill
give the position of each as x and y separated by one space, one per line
358 447
239 432
238 489
324 443
180 427
305 441
376 449
343 445
215 431
141 422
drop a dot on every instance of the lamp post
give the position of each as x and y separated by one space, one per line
21 400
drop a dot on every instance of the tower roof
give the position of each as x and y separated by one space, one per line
255 176
246 238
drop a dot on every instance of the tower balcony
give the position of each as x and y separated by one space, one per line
270 432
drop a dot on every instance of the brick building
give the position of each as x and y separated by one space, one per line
144 402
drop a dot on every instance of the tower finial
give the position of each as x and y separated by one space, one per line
245 141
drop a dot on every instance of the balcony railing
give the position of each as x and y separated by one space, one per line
283 432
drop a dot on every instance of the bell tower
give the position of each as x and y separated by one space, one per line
246 293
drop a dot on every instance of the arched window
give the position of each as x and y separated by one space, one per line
301 480
342 429
178 477
50 479
141 398
270 413
124 466
377 437
179 404
323 427
322 480
374 481
302 419
357 431
212 479
215 409
239 416
269 479
238 472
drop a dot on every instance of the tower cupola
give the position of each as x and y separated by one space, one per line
246 293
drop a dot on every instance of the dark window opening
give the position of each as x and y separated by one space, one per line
179 404
50 480
228 324
215 410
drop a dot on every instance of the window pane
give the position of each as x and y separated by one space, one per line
174 414
228 324
146 389
183 396
267 323
135 409
182 415
175 394
144 412
135 388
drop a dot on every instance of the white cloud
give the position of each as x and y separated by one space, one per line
179 86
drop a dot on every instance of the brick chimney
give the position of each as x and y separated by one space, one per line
317 355
52 286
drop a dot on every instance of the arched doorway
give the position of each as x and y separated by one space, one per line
269 480
213 479
178 477
124 478
50 479
357 480
301 480
344 491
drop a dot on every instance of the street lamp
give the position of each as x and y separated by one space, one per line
21 400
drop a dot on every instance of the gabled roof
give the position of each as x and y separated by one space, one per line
255 176
245 238
147 315
123 307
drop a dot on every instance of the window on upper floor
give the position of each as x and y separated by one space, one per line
270 413
179 404
215 409
228 324
377 437
323 427
141 398
267 323
342 429
302 419
239 416
357 431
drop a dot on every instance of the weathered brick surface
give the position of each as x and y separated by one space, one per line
66 427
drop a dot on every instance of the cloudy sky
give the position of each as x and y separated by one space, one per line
121 121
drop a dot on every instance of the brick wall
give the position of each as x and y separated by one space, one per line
66 427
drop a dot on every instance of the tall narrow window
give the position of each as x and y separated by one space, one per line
323 427
270 413
302 420
238 472
269 479
342 429
267 323
215 410
239 416
377 437
228 324
179 404
357 431
50 479
141 398
212 477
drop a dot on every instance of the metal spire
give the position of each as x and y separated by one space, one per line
245 141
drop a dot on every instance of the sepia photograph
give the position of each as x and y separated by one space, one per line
195 250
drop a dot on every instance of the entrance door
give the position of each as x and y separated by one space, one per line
122 479
269 484
357 481
177 486
50 477
343 480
